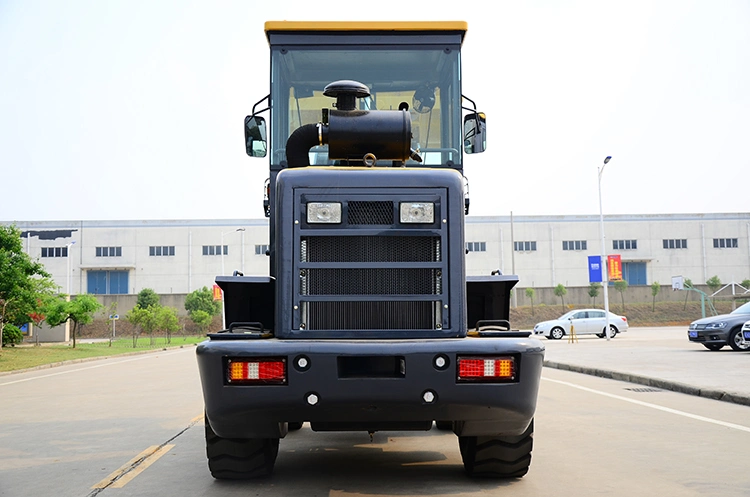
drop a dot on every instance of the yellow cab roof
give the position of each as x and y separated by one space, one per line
364 26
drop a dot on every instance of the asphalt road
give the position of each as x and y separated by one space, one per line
132 426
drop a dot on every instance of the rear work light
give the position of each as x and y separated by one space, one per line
256 371
486 369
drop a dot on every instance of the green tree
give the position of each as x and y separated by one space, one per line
80 310
621 286
530 293
142 319
746 284
561 291
23 283
147 297
714 283
166 321
594 291
655 289
202 320
12 335
202 300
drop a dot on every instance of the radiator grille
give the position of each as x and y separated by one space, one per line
370 212
371 315
370 249
371 281
370 273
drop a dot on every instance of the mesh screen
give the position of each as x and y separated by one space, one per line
370 212
370 249
371 315
371 281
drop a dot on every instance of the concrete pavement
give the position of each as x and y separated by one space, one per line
658 357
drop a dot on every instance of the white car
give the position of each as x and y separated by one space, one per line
584 321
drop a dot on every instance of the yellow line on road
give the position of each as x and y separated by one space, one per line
134 467
141 467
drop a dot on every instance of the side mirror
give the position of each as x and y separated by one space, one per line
255 136
475 133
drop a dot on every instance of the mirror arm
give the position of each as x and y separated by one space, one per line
472 103
267 97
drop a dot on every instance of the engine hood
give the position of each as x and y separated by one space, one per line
729 318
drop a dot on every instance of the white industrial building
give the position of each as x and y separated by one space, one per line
179 256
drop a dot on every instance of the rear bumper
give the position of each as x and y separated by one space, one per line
359 403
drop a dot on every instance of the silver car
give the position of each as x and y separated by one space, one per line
584 322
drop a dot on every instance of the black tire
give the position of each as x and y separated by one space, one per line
294 425
497 457
713 346
737 342
556 331
240 458
444 425
612 332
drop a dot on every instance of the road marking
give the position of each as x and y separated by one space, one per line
121 482
120 477
653 406
107 363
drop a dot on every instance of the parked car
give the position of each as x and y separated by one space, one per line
717 331
584 321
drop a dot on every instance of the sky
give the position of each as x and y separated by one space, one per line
130 110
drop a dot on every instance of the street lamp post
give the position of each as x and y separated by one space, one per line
603 257
68 246
221 248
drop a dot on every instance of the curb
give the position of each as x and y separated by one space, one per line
674 386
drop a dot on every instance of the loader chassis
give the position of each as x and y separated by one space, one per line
367 320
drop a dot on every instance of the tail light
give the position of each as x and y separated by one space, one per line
257 371
486 369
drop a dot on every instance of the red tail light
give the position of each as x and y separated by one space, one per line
486 369
259 371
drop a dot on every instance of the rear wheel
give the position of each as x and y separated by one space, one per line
444 425
240 458
737 342
713 346
612 332
497 457
556 333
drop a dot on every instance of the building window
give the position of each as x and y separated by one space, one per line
261 249
675 243
54 251
109 251
625 244
215 249
725 243
163 251
476 246
524 246
574 245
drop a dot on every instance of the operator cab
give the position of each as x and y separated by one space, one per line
412 68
